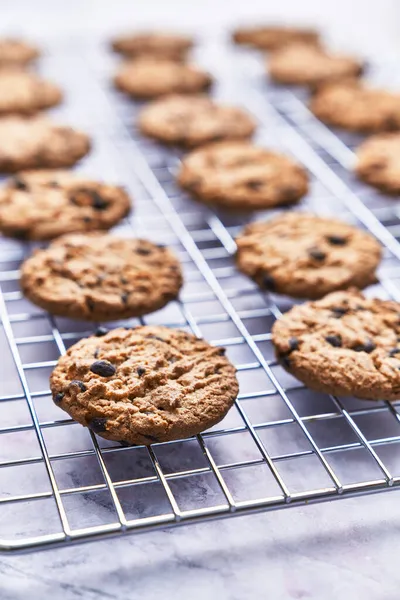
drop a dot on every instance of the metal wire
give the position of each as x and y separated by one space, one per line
280 445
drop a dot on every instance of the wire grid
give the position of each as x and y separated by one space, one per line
281 444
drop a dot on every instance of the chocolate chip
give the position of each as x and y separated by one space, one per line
334 340
336 240
87 219
58 397
221 351
143 251
368 347
103 368
317 254
98 424
161 246
141 371
19 183
339 311
289 193
98 202
79 384
217 370
255 184
124 298
100 331
285 361
394 351
96 353
268 282
123 280
293 344
89 303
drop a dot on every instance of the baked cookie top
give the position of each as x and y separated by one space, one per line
41 205
15 52
238 174
158 44
378 162
145 385
26 93
101 277
151 77
35 143
195 120
304 64
358 107
270 37
345 344
307 256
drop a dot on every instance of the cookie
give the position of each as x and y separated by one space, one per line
345 344
101 277
378 162
36 143
357 107
272 37
156 44
26 93
307 256
145 385
150 78
302 64
41 205
241 175
192 121
16 53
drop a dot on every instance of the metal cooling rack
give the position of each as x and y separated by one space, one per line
281 445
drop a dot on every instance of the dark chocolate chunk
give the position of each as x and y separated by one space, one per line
98 202
141 371
19 183
336 240
124 298
100 331
268 282
79 384
143 251
96 353
394 351
254 184
98 424
58 397
123 280
339 311
103 368
293 344
222 351
334 340
285 361
368 347
317 254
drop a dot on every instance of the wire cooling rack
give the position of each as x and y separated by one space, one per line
281 444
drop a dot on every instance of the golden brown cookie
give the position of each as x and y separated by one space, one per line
345 344
274 36
101 277
151 77
171 46
302 64
37 143
16 53
26 93
357 107
241 175
195 120
41 205
145 385
378 162
307 256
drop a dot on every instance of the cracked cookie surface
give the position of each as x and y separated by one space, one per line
306 256
145 385
378 162
101 277
193 121
345 344
243 176
41 205
172 46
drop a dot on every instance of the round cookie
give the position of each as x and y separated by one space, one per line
241 175
357 107
192 121
41 205
26 93
16 53
302 64
35 143
272 37
150 78
378 162
307 256
145 385
171 46
345 344
101 277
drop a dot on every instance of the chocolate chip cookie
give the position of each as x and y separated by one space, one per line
357 107
16 53
302 64
170 46
101 277
272 37
26 93
41 205
36 143
192 121
243 176
307 256
145 385
150 78
378 162
345 344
